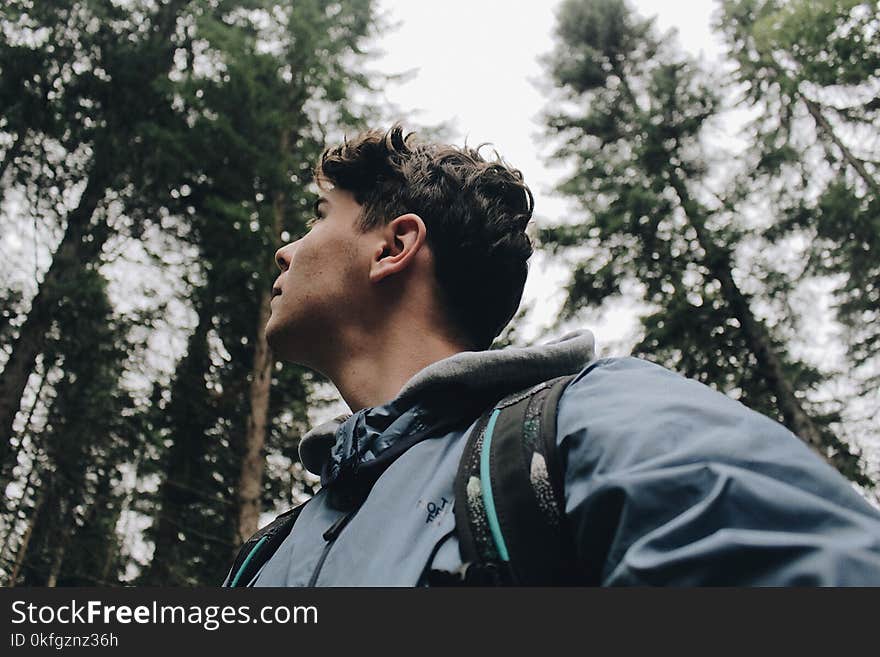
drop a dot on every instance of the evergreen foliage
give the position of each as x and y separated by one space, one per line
635 118
188 131
191 128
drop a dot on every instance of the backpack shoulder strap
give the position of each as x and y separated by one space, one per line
509 494
260 547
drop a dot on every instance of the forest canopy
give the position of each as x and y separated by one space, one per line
154 155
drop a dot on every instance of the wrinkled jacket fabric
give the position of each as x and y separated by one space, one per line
667 482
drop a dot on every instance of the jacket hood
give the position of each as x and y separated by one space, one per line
459 387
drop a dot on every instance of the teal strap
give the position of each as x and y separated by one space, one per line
486 484
248 560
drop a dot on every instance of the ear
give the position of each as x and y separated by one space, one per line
402 239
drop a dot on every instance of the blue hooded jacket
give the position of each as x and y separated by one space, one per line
667 482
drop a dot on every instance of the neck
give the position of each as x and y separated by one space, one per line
376 367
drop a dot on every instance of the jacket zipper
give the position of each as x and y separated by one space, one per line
330 536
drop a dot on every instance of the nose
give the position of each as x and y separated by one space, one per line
284 255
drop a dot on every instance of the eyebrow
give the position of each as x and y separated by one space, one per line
321 199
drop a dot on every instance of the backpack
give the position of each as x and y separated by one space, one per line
509 502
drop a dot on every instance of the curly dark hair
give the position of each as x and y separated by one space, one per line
475 211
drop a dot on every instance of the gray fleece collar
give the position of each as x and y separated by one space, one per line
466 373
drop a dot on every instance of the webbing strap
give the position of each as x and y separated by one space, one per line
509 494
528 532
254 550
260 547
474 542
486 483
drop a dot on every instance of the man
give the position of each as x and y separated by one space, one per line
415 262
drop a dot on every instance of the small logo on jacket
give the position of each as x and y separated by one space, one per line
435 508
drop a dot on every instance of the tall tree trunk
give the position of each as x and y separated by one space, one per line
177 491
73 252
60 548
110 560
757 337
34 469
824 126
250 484
25 541
827 129
4 481
13 515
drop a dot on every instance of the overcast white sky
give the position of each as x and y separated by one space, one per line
477 62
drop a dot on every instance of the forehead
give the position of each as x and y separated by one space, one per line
338 205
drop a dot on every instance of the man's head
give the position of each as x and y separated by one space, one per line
405 231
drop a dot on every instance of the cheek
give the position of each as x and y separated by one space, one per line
303 259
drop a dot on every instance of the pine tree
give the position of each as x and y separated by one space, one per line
109 112
86 434
808 69
634 114
252 150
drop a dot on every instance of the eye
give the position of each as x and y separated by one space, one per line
311 222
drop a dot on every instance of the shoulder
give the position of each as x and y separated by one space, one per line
634 397
670 482
620 416
607 384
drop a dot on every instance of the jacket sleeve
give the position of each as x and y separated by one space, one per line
671 483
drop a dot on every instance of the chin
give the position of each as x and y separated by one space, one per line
275 336
282 339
